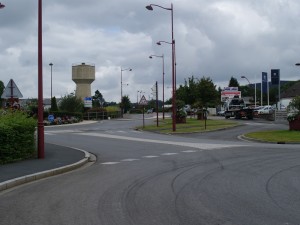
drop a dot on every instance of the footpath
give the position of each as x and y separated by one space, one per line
58 159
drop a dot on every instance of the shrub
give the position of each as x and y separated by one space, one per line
16 136
294 109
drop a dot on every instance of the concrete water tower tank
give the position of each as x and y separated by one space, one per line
83 75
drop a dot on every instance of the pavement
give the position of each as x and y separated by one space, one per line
57 160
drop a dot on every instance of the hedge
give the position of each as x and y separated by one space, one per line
16 137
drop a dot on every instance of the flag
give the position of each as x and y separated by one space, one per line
275 76
264 82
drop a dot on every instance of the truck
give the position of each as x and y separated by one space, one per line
236 107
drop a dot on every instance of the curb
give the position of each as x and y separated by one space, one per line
44 174
243 137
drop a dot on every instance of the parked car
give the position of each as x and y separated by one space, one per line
150 111
221 113
266 110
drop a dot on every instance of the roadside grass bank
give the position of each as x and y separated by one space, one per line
192 125
278 136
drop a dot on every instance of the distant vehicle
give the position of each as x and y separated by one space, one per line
268 109
236 108
221 113
150 111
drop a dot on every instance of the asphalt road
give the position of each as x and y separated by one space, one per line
144 178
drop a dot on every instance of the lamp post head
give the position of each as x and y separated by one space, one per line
150 57
1 6
130 69
50 64
149 7
158 43
297 64
243 77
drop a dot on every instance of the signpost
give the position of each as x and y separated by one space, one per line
11 92
143 102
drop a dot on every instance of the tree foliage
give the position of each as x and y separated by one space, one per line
98 100
71 103
233 82
126 104
1 91
54 104
200 93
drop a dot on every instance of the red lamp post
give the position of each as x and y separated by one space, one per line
163 75
150 7
41 143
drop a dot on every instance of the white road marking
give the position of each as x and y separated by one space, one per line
169 153
203 146
150 156
129 160
189 151
110 163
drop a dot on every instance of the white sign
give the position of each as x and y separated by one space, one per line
143 101
230 89
88 103
11 91
229 94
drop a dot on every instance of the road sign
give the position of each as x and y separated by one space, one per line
11 90
143 101
88 102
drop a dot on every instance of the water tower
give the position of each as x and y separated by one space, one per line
83 75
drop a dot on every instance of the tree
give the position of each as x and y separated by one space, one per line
200 93
233 82
71 103
208 93
126 104
98 99
1 91
54 107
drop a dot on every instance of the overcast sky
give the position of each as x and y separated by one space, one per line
214 38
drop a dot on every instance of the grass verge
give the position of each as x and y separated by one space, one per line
286 136
191 125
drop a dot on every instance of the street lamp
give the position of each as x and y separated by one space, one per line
1 6
150 7
159 43
244 77
41 141
51 64
163 84
129 69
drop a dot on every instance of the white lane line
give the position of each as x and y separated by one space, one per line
129 160
189 151
169 153
110 163
46 133
204 146
150 156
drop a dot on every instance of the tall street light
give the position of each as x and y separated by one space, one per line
163 75
51 64
129 69
150 7
244 77
41 143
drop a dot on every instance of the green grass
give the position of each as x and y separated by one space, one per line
276 136
191 125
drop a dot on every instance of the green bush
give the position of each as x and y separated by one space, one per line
16 137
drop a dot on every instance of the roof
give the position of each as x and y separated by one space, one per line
292 91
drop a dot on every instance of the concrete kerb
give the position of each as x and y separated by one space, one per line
44 174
